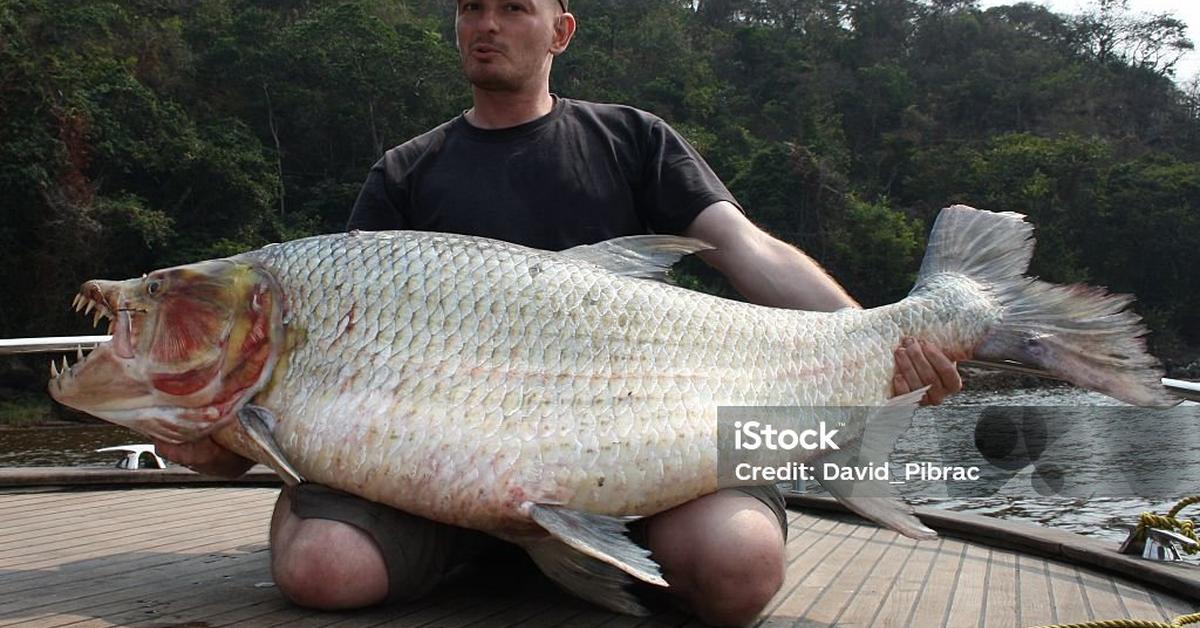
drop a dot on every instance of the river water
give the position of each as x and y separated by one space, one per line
1096 466
1092 476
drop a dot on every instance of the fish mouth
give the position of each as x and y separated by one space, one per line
99 299
92 300
188 346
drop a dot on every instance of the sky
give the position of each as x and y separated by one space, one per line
1186 10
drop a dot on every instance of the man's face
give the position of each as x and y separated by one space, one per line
506 44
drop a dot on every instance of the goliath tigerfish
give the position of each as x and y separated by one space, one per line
546 397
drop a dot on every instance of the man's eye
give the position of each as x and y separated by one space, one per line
513 7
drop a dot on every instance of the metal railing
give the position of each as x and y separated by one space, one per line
54 344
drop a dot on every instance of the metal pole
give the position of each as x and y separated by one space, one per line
54 344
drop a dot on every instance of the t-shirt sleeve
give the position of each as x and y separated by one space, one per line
377 207
677 184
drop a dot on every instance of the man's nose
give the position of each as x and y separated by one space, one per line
489 19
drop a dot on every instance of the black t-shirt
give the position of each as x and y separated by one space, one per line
581 174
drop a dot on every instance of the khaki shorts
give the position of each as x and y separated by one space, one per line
420 553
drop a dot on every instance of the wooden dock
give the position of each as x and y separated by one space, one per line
197 556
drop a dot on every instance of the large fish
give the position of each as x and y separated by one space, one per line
545 397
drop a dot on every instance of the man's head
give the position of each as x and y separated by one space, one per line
508 45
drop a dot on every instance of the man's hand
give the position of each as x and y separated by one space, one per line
919 364
205 456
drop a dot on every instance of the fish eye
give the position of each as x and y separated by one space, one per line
153 287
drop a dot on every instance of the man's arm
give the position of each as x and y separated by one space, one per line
770 272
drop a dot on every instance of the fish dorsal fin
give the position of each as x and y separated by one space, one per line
646 256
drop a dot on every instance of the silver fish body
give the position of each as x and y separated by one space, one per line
457 378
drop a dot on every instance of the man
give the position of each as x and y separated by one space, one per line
528 167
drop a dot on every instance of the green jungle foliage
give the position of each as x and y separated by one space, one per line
137 134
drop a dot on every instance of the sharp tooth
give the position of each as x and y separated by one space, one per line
66 367
96 318
90 304
53 370
78 352
75 302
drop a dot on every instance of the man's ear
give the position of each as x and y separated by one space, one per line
564 30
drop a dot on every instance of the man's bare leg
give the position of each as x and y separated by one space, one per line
324 564
722 555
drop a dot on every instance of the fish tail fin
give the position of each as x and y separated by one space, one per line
1080 333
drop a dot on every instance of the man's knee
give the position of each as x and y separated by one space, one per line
738 582
723 554
327 565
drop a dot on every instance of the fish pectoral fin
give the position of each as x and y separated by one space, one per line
646 256
589 578
601 537
259 424
874 499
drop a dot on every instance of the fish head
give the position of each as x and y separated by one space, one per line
190 345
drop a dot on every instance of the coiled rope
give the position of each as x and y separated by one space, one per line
1182 620
1186 527
1170 521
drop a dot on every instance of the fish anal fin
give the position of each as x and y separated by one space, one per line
601 537
874 499
593 580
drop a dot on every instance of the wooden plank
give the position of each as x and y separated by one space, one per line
142 514
814 573
249 612
555 615
795 555
968 605
14 502
189 569
863 607
112 477
841 589
532 608
1003 606
1139 601
197 568
934 601
146 600
443 608
109 566
1034 591
297 617
1066 590
908 586
20 516
1172 607
114 557
106 543
587 619
234 533
1101 596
